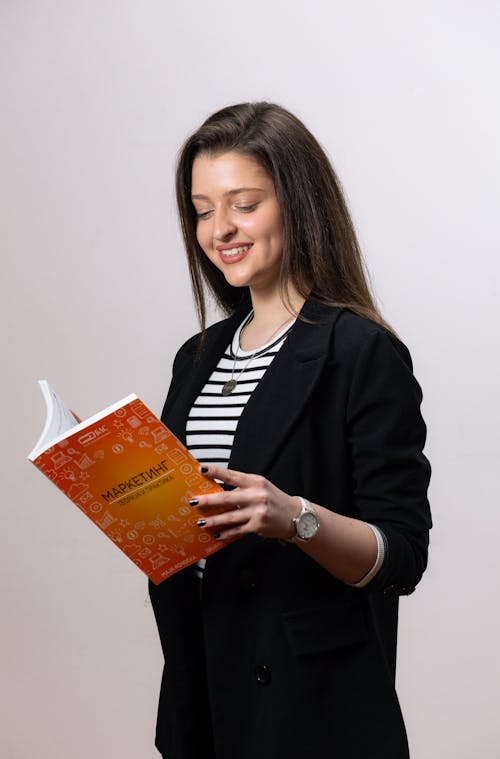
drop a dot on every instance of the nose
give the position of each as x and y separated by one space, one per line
224 226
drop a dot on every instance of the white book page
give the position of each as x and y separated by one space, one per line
60 420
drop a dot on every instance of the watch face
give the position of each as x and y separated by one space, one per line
307 526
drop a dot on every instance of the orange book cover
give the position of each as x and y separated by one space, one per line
132 477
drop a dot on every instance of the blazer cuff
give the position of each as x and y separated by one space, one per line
380 537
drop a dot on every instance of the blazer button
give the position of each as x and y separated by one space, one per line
262 674
406 591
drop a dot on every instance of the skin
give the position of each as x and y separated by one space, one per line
236 203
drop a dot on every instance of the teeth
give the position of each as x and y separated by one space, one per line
235 251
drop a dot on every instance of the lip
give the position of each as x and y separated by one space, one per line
223 251
232 245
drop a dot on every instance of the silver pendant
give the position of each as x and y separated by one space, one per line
228 387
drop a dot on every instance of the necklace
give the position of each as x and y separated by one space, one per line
229 386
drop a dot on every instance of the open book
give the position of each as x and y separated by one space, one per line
132 477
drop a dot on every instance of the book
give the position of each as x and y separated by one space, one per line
132 477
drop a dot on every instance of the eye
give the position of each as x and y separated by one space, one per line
246 209
202 214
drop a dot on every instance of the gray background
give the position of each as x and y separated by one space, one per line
96 98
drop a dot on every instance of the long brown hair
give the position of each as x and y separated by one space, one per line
321 254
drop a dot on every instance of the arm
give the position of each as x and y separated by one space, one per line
345 547
387 435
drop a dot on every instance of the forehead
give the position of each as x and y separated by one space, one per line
227 171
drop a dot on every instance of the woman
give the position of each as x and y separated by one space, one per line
303 403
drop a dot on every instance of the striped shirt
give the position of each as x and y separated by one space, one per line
213 418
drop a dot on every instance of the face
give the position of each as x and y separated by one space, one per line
239 224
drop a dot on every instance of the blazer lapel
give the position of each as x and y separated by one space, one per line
283 393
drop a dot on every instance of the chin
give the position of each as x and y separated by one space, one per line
238 280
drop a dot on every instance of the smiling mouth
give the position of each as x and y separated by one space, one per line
230 252
234 255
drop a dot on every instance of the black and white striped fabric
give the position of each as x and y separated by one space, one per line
213 419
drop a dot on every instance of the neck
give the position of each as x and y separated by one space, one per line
271 312
269 308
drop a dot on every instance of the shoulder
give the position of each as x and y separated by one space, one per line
374 364
349 335
355 335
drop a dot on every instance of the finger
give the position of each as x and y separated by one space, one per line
210 508
228 476
75 415
224 521
215 508
232 534
227 500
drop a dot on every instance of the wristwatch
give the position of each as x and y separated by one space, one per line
306 523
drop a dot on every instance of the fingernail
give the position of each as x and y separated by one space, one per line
204 469
193 502
216 534
201 522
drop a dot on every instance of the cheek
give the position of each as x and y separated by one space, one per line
267 228
274 235
272 227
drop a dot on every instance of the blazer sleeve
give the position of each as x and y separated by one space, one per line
390 472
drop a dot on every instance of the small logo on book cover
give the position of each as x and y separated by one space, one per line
95 434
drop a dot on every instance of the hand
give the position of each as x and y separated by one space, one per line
255 505
75 415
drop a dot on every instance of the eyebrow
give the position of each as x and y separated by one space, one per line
229 192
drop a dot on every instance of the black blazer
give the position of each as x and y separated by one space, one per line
278 658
